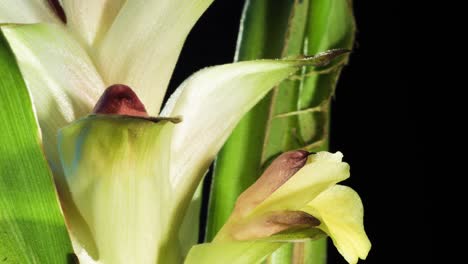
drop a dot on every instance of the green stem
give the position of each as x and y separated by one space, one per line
295 115
315 251
239 163
282 255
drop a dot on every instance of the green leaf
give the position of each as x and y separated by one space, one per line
331 25
32 229
152 33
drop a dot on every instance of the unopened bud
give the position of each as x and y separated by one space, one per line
120 99
280 170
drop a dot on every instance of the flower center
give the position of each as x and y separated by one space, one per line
120 99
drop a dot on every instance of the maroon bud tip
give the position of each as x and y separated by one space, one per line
299 154
120 99
293 160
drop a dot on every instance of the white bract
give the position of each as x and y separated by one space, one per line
126 183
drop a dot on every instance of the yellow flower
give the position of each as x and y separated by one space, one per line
292 198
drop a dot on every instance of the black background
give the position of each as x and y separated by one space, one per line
370 122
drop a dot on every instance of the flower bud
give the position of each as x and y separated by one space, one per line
279 171
120 99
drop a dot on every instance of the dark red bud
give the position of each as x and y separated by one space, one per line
120 99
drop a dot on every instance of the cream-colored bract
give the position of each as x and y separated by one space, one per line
91 19
143 44
26 12
59 74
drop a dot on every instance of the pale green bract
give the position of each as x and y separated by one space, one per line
118 200
126 183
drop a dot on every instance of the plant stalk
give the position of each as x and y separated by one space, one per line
295 115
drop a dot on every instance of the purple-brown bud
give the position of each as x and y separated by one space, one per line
273 224
120 99
279 171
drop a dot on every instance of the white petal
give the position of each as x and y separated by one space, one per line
91 19
211 102
59 74
142 46
341 212
26 12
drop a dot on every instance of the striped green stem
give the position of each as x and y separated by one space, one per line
295 115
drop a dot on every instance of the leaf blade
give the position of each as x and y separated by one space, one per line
32 229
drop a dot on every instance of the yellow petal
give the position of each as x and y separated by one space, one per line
323 171
340 210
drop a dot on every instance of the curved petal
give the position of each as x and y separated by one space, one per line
116 169
60 76
142 46
323 171
91 19
341 212
26 12
211 102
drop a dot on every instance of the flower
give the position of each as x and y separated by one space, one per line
68 55
295 198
